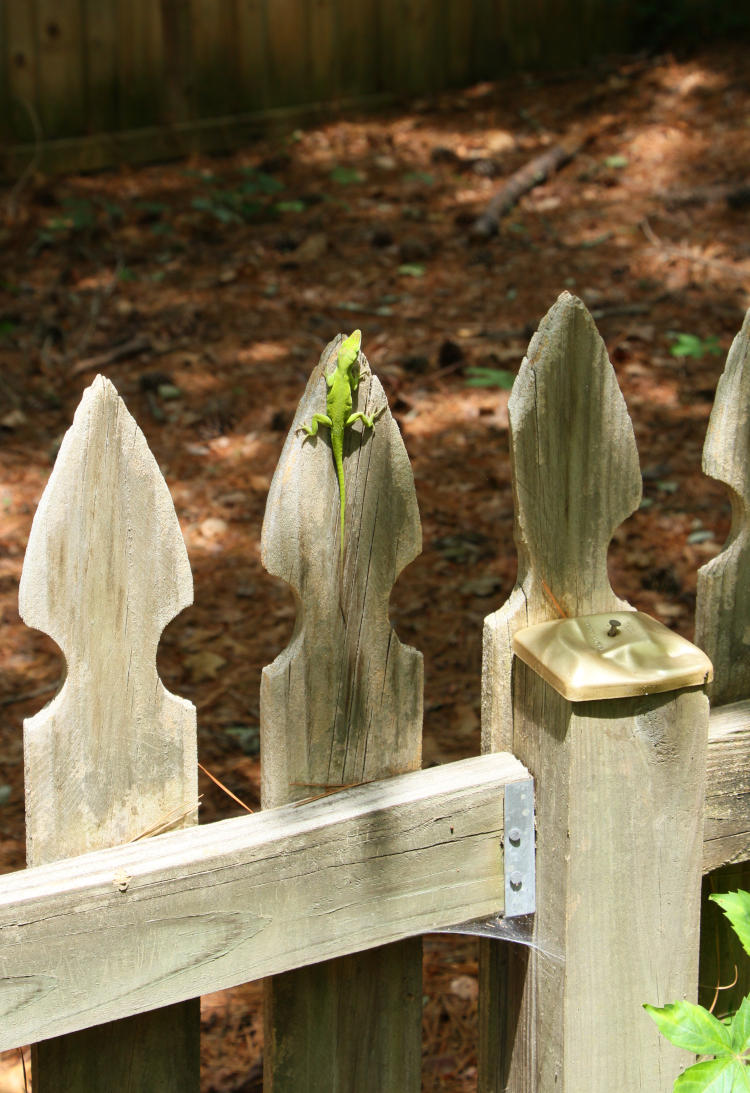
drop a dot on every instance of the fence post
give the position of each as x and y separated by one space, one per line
342 704
619 783
722 630
114 754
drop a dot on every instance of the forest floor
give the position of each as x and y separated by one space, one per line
206 290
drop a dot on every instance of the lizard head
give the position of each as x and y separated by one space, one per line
349 351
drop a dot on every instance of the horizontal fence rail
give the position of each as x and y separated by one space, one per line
61 909
127 929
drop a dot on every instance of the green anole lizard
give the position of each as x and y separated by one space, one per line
341 383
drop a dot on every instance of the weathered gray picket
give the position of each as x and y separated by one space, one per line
722 629
343 704
329 897
114 753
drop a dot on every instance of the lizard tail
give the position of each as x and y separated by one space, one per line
342 507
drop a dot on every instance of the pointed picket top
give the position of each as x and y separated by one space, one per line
576 478
722 614
106 569
343 702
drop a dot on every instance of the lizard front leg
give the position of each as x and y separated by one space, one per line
312 428
368 421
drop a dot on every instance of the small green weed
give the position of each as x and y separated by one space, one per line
411 269
345 176
690 345
244 202
489 377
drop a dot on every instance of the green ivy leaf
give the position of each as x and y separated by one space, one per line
740 1028
714 1076
736 906
692 1027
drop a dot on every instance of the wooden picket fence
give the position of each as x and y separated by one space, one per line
109 937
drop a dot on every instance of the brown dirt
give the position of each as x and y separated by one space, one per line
236 296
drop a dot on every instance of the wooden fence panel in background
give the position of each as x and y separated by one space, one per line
619 783
140 63
359 47
252 88
19 68
342 704
456 42
328 62
100 58
114 754
217 56
722 630
288 51
169 76
62 67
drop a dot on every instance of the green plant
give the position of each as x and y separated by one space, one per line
244 202
345 176
411 269
489 377
690 345
697 1030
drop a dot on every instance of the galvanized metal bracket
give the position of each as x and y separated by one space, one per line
519 868
520 849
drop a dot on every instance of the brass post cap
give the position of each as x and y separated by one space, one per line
613 655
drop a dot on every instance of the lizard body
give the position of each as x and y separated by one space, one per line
341 384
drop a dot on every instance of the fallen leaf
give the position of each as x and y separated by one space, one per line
204 665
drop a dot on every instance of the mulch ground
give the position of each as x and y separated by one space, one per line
206 290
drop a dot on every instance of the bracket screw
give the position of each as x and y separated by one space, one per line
614 627
515 836
516 880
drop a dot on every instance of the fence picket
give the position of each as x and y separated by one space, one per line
722 619
114 753
342 704
619 783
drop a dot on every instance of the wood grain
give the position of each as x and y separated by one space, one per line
619 783
726 838
121 930
722 630
342 704
114 752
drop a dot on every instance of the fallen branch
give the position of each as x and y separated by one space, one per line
536 171
131 348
